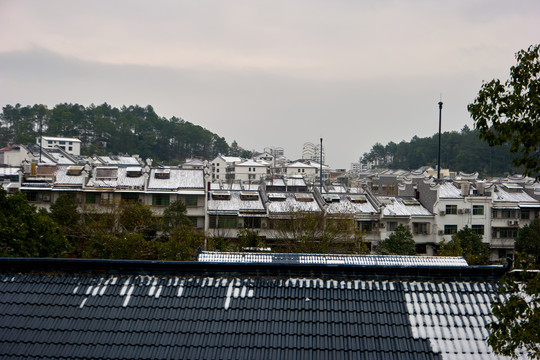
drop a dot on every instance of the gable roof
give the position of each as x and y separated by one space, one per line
141 309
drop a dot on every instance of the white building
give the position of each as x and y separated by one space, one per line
70 145
249 170
222 166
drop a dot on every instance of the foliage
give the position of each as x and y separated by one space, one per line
182 244
137 217
104 130
26 232
400 242
517 314
249 239
460 151
528 241
510 112
466 241
516 327
174 216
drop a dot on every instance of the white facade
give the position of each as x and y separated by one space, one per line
249 170
14 155
70 145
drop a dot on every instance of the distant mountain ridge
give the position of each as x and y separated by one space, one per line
104 129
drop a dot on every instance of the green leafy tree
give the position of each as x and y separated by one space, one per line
517 318
248 238
26 232
182 244
467 241
400 242
174 216
65 212
509 112
528 241
516 327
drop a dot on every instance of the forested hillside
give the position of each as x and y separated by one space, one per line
460 151
104 129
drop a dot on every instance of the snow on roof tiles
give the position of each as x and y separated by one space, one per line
235 204
399 207
369 260
179 179
449 191
345 206
291 205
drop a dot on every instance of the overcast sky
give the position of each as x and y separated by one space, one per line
269 73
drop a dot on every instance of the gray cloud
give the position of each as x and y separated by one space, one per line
268 73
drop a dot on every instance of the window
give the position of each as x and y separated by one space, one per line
478 210
508 214
421 228
193 220
32 196
479 229
90 198
223 222
504 233
525 214
391 225
252 222
365 226
451 209
160 199
450 229
191 200
130 197
421 248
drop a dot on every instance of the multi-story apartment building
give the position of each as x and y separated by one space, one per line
433 210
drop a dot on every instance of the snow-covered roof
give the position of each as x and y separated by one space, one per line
345 206
9 171
178 179
402 206
512 193
252 163
366 260
296 181
62 177
51 138
291 204
232 159
236 203
118 178
118 160
57 157
449 191
299 164
275 182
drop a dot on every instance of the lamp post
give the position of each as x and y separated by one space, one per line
439 155
320 169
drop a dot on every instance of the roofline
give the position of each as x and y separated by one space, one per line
253 269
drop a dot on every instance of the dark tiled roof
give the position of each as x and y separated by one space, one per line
190 310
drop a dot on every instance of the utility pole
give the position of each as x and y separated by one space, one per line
320 169
40 136
439 156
